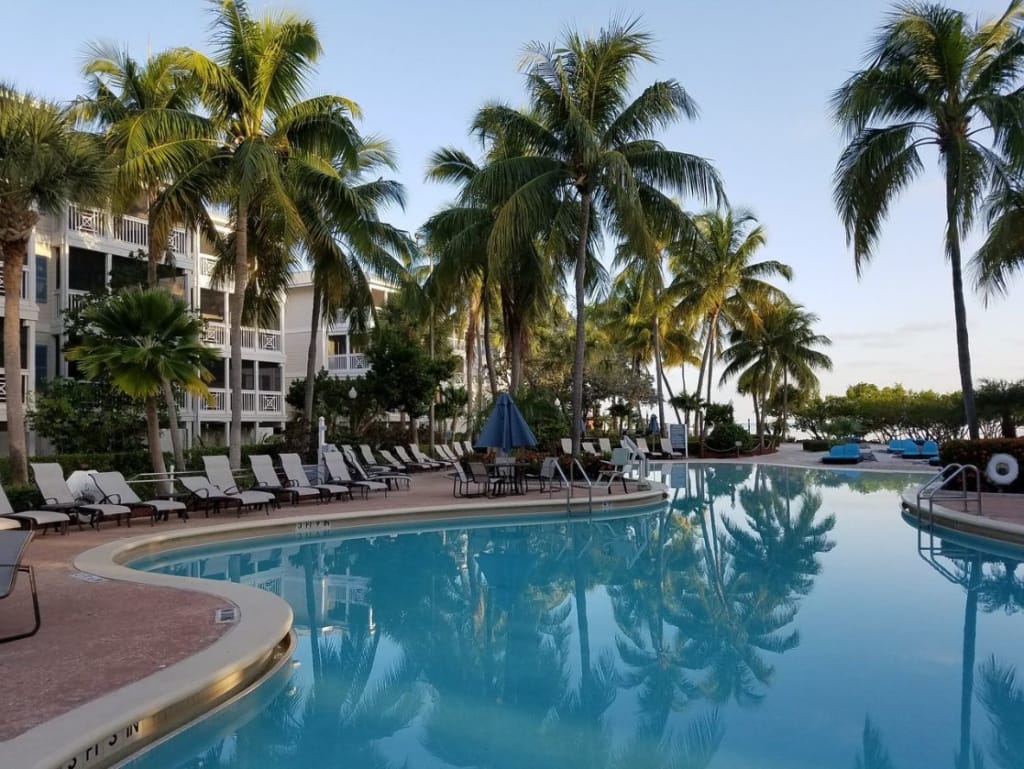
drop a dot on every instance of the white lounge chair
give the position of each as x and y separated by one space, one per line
30 519
12 550
422 458
266 480
337 472
468 445
58 497
369 461
115 490
567 445
291 464
377 473
390 460
410 462
666 448
614 469
218 470
210 494
605 444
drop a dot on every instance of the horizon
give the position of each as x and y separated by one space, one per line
762 85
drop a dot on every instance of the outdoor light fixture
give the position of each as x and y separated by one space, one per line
352 393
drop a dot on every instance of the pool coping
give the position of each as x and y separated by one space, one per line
975 524
111 728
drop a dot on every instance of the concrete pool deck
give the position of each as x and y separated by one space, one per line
100 634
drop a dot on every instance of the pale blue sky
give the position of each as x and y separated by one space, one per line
761 72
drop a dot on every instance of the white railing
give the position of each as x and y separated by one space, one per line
252 338
133 230
179 241
215 333
206 265
24 280
76 299
90 221
354 362
218 401
267 403
270 403
3 386
270 340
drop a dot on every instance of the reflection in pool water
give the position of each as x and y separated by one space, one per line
763 617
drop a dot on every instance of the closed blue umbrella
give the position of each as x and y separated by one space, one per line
506 428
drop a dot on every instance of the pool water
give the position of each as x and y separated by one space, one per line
763 617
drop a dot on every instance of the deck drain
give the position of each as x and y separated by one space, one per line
224 616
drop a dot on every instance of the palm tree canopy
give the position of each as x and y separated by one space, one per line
141 338
933 78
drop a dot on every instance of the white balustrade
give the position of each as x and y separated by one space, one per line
270 403
131 229
90 221
354 362
270 340
218 401
3 386
215 333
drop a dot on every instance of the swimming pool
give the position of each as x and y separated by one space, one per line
763 617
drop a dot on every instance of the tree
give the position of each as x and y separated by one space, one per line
1003 401
934 79
139 339
44 164
271 141
146 112
84 417
591 153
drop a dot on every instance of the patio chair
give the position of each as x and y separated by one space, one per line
424 459
666 448
266 480
218 471
389 459
378 473
468 446
461 481
843 454
481 477
115 490
566 445
12 550
589 447
337 472
614 469
409 461
291 465
457 449
444 455
930 450
605 445
547 477
210 493
30 519
642 447
58 497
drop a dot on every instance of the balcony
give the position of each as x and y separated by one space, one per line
347 365
3 391
254 403
129 230
259 339
24 280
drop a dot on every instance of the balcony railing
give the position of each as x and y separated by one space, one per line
253 402
126 229
259 339
337 364
24 280
3 386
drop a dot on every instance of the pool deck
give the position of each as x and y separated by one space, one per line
101 634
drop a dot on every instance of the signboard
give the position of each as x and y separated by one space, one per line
677 437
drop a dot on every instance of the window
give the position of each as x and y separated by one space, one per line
218 369
42 270
87 270
270 377
211 305
42 364
336 345
248 375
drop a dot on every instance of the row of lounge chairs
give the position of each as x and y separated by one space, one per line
909 448
604 446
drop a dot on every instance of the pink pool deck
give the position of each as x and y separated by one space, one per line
99 635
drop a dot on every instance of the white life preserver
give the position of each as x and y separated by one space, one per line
1002 469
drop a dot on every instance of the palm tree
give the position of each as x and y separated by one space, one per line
933 79
271 141
717 282
44 164
778 343
146 111
141 338
592 151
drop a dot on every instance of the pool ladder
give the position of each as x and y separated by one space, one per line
933 488
570 485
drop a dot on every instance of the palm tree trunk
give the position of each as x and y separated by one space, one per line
582 620
516 335
967 660
963 346
152 259
671 395
488 352
658 375
13 253
581 324
785 403
156 455
314 332
235 306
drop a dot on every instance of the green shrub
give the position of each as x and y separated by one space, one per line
978 453
24 497
127 462
725 436
816 444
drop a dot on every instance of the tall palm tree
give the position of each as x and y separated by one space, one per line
271 139
146 111
44 164
717 280
777 344
933 79
141 338
590 145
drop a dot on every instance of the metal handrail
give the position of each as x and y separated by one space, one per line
571 482
931 489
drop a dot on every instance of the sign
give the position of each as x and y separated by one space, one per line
96 754
677 437
307 527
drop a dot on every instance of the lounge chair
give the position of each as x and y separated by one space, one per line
212 495
457 448
410 462
468 446
115 490
12 550
58 497
266 480
912 451
337 472
566 445
614 469
378 473
589 447
218 470
424 459
291 464
389 459
843 454
547 476
30 519
368 458
461 481
930 450
642 447
605 445
667 450
445 454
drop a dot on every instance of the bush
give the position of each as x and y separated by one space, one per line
978 453
24 497
725 436
816 444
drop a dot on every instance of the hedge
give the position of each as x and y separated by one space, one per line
978 453
817 444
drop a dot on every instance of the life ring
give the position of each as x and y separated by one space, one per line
1002 469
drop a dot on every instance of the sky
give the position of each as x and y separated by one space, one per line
761 73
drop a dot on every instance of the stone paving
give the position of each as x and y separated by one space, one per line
98 636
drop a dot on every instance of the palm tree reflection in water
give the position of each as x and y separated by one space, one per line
480 648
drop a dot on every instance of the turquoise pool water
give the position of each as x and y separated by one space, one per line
764 617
